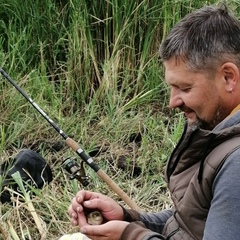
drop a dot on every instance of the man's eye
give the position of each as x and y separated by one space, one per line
185 89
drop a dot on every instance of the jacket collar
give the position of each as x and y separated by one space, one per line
195 145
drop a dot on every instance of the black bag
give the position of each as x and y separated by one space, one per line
33 169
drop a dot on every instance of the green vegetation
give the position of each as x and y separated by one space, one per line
93 67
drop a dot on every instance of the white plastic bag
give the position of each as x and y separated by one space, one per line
74 236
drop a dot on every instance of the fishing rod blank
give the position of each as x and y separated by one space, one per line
75 147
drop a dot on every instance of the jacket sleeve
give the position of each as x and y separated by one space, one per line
138 231
224 216
144 226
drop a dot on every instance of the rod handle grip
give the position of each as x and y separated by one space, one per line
117 189
72 144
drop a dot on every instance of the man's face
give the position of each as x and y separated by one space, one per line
202 98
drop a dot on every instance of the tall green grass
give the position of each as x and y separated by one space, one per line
96 48
93 67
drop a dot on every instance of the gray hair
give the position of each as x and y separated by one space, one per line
203 39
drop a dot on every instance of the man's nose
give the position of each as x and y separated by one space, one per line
175 100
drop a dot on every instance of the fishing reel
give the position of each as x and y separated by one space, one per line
76 171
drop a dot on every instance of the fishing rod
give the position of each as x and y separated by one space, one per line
76 148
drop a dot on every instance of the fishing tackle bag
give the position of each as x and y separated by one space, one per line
33 169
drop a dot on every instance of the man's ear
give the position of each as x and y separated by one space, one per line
231 75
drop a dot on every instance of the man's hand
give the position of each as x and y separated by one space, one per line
86 201
111 230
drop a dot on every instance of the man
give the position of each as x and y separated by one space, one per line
201 56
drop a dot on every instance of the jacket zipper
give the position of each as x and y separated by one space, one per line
181 152
172 233
175 149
